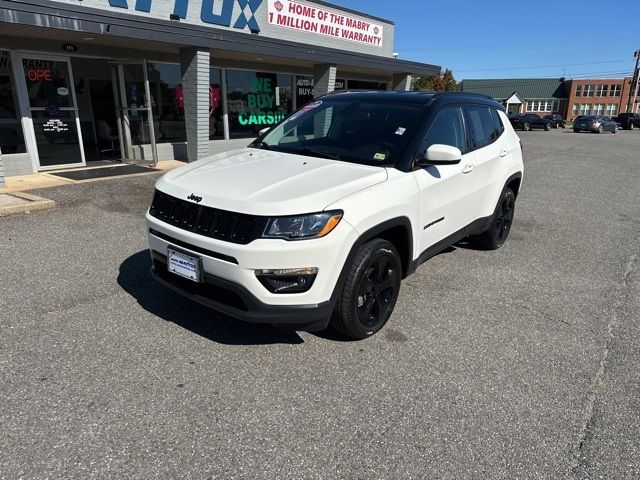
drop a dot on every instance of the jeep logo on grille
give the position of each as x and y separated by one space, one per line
195 198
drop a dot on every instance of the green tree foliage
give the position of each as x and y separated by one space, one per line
445 82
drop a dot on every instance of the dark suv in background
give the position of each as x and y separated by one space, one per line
627 120
528 121
556 120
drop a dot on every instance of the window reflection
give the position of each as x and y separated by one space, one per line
256 100
11 136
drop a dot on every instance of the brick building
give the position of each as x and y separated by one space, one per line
568 98
598 97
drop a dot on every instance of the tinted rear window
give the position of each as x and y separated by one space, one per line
482 130
498 127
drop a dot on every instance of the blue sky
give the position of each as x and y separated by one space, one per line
510 39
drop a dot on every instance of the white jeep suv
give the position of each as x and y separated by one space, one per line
318 220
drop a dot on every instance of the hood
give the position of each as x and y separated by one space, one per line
262 182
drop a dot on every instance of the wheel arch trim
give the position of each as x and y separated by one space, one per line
370 234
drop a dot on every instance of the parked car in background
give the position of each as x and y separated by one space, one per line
528 121
627 120
555 119
595 124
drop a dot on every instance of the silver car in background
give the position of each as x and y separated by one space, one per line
595 124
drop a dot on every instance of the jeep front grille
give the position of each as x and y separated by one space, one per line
207 221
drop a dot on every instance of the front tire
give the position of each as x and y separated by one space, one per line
526 127
576 130
600 129
547 127
370 290
495 236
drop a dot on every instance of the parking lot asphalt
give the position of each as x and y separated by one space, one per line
518 363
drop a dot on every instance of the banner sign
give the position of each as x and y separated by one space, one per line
311 19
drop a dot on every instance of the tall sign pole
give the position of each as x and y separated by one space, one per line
633 91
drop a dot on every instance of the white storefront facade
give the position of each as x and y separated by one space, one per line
141 80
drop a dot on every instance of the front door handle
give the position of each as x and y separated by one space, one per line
503 153
467 168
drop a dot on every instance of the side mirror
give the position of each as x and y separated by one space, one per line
438 154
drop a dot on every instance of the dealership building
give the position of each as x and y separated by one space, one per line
85 81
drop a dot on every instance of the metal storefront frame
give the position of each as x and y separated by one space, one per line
26 109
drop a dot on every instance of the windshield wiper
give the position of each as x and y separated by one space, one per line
309 152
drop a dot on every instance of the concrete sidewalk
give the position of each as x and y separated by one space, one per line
19 202
35 181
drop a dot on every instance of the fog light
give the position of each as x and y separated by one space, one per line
291 280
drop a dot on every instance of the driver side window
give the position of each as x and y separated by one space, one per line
447 129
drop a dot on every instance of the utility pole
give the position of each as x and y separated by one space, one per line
633 91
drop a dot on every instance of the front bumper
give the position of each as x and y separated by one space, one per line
236 301
230 283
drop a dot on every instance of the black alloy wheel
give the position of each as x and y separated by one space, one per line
496 235
504 218
377 292
370 291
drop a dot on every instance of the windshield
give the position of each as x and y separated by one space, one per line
351 130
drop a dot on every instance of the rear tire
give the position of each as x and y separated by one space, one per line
497 233
370 290
600 129
547 127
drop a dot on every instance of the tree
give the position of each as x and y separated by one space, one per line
445 82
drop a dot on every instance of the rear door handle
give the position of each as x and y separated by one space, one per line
468 168
503 153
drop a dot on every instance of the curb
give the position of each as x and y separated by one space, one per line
33 204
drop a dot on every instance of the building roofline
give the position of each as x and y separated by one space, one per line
101 22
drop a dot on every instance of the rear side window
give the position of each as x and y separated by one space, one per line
481 126
498 126
447 129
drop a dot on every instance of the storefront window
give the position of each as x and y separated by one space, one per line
256 100
165 85
11 137
364 85
167 95
304 89
216 129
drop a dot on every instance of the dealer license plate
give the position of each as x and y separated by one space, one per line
183 264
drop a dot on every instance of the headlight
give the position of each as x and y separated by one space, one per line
300 227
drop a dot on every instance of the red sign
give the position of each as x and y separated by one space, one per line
312 19
39 74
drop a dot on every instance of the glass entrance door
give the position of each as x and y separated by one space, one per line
134 106
53 110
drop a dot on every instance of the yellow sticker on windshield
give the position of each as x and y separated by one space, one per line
380 156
